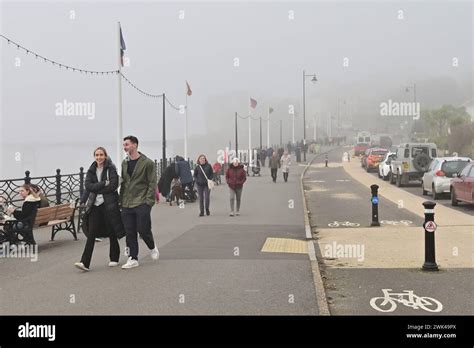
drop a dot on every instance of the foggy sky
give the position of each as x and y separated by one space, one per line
385 55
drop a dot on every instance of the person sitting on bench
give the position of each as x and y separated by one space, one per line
26 215
44 201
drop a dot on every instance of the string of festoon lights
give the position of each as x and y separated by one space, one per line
55 63
67 67
139 89
253 118
171 104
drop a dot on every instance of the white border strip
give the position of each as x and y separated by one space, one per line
317 279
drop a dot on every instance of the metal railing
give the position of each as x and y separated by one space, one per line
58 189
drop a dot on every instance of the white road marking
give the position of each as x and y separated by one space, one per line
388 302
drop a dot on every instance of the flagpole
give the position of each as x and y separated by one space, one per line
186 130
250 133
119 118
268 126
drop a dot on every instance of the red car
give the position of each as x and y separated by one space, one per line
372 158
462 186
359 149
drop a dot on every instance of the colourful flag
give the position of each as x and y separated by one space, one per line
270 110
189 92
122 46
253 103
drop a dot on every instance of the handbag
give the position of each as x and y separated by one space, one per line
210 183
85 223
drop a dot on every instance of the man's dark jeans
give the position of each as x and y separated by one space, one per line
138 220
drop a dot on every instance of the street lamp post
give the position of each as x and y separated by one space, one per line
339 115
314 79
281 138
314 128
293 129
164 164
236 138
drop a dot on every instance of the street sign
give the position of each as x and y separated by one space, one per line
375 200
430 226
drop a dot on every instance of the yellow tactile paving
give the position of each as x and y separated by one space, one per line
285 245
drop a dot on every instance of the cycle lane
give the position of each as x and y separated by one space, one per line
335 196
358 263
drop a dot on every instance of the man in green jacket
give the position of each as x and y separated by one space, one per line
137 197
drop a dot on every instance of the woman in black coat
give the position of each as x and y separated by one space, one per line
102 217
202 173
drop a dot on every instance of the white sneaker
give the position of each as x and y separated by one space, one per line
237 214
231 213
155 254
98 240
131 263
113 264
81 266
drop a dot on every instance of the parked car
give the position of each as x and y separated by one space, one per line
374 156
384 166
462 186
411 162
360 149
437 179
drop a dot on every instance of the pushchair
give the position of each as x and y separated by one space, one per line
256 169
189 193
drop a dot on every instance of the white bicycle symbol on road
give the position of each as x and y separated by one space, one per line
343 223
388 303
396 223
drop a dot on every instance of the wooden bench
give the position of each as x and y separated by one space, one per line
59 217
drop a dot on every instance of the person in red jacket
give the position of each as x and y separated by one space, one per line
235 177
216 168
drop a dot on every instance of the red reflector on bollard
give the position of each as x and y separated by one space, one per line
430 226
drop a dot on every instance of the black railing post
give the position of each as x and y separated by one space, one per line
58 186
27 177
81 182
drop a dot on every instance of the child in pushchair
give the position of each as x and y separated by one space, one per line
256 168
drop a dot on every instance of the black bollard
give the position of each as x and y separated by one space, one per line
375 205
326 159
430 228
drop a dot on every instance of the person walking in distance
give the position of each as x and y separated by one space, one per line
137 197
274 165
263 156
203 173
285 163
235 177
